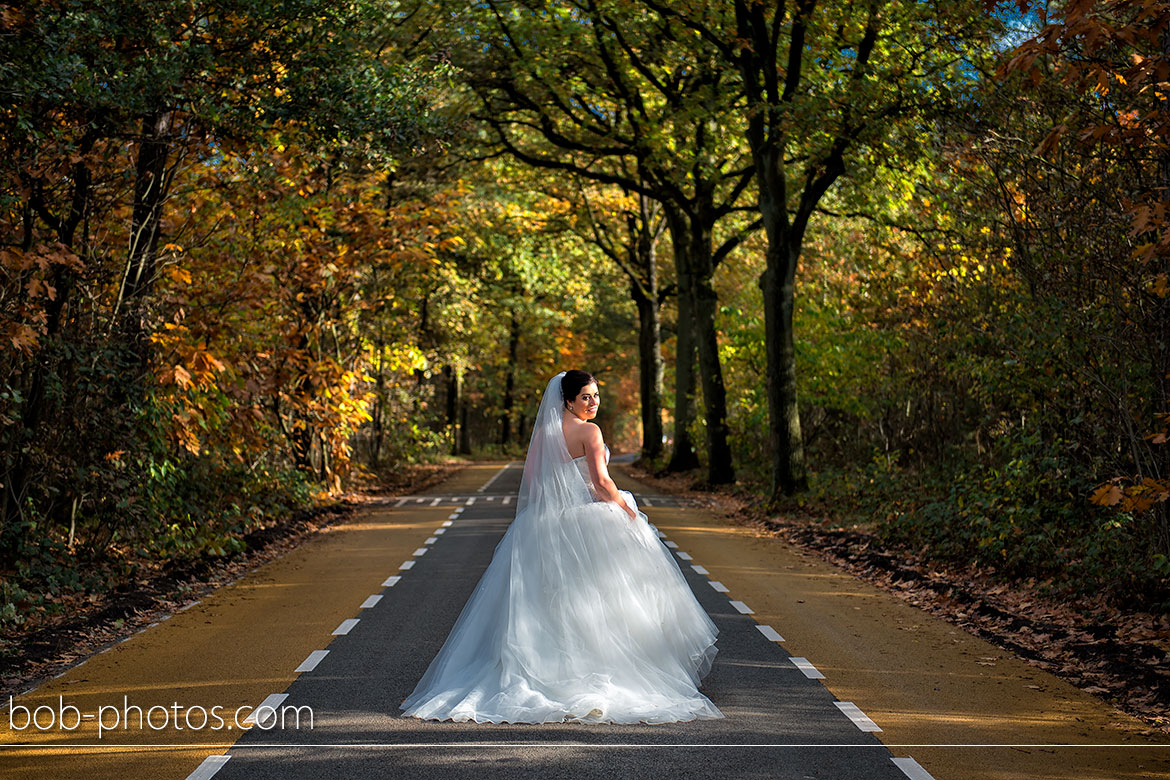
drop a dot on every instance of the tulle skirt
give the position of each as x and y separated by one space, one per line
582 617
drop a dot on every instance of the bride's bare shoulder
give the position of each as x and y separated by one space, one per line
581 431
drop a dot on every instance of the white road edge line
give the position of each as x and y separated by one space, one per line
391 581
770 633
346 626
372 601
804 665
310 663
744 609
498 474
859 718
209 767
912 769
272 701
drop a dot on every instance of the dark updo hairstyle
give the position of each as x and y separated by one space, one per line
572 382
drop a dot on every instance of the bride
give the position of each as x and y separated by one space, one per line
583 614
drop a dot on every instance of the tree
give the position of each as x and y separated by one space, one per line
821 80
592 89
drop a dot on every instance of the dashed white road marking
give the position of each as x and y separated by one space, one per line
267 709
459 509
717 585
684 556
399 503
646 502
391 581
489 483
470 501
406 565
346 626
699 569
810 671
507 500
420 551
447 523
671 545
436 502
452 516
310 663
431 540
209 767
439 531
744 609
859 718
660 534
770 633
912 769
372 601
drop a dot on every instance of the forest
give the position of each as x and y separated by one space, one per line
896 263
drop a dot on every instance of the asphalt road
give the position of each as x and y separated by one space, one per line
343 627
781 722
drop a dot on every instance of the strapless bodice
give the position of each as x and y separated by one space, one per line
582 465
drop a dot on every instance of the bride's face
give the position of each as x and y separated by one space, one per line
585 404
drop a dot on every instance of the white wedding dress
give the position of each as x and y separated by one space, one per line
582 614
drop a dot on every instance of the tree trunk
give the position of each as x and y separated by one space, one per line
510 380
697 304
683 456
150 190
650 371
720 470
777 283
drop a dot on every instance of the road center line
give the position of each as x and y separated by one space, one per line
810 671
209 767
271 702
912 769
859 718
498 474
310 663
770 633
346 626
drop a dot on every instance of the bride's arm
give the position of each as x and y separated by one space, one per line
599 472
